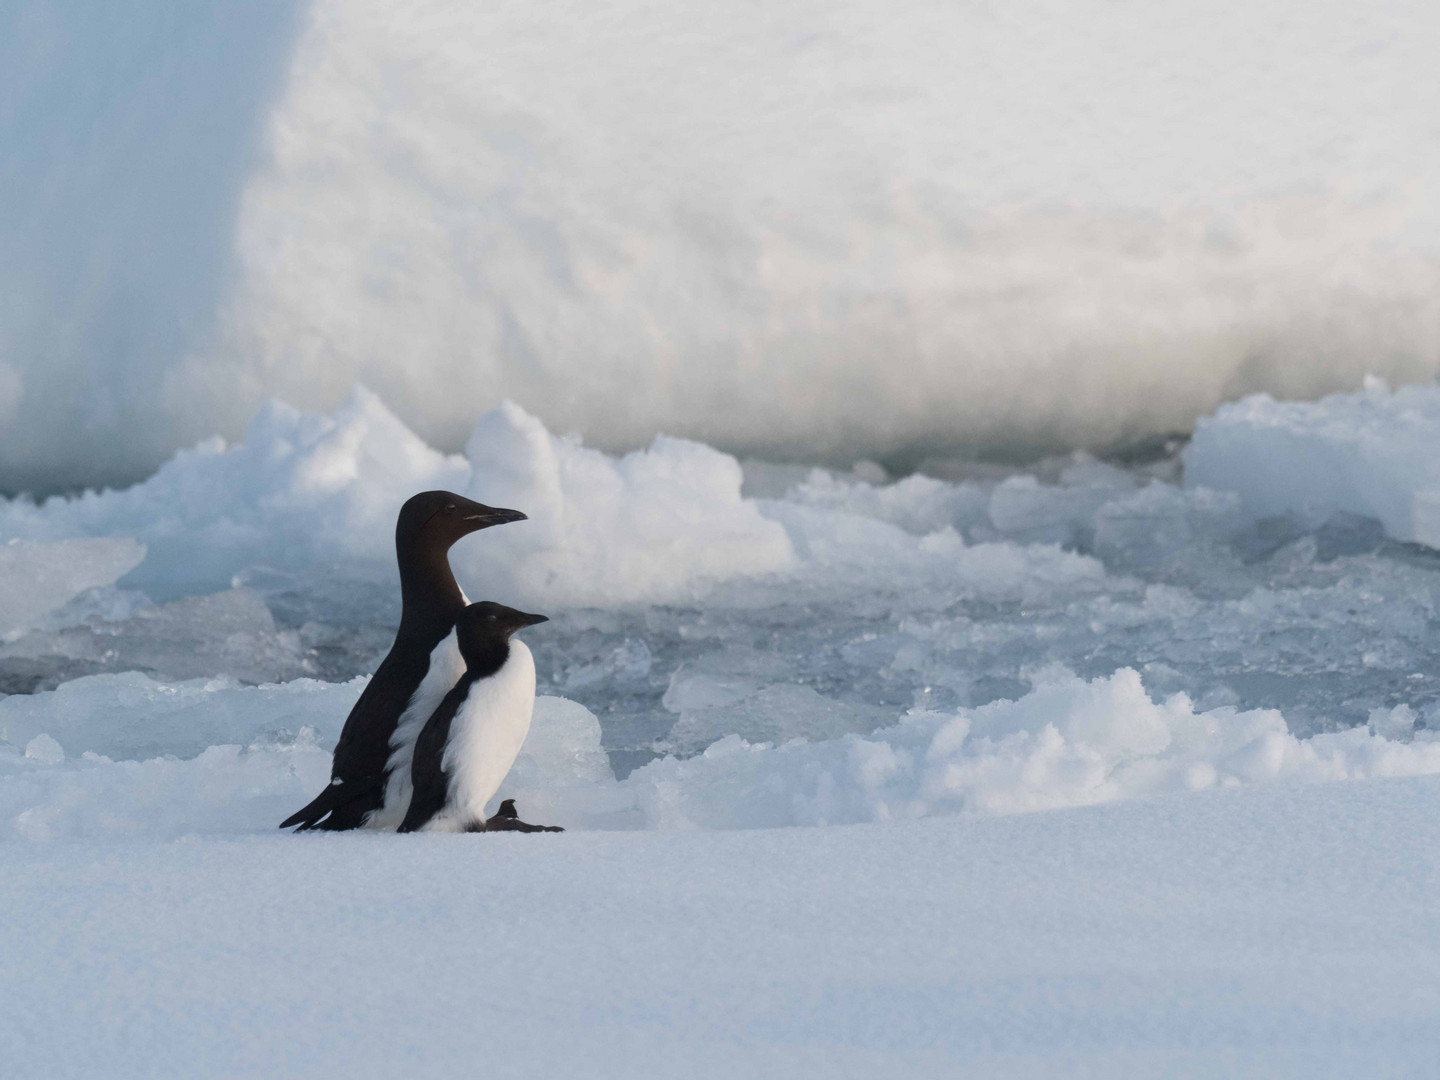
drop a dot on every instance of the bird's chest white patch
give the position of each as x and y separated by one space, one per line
446 667
485 738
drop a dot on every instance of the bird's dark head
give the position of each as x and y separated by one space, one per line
436 519
486 624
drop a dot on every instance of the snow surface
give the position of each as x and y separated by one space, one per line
1261 932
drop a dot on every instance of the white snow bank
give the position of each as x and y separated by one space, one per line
1372 453
38 577
319 493
843 228
1069 742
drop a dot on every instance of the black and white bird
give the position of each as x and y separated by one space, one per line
370 774
469 743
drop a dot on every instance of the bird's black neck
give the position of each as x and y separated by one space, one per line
429 597
483 659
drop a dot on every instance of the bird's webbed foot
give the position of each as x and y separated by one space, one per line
507 819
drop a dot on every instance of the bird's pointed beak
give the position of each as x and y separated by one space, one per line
532 620
482 517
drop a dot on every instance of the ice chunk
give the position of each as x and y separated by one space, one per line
918 504
36 577
1160 526
133 716
691 691
562 746
775 713
1023 507
657 524
1370 454
844 552
1397 723
230 633
44 749
627 664
562 776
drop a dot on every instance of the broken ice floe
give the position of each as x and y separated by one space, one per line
37 577
1370 454
837 601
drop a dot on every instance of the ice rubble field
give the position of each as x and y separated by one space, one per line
745 647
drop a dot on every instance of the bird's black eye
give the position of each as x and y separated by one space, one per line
449 508
491 616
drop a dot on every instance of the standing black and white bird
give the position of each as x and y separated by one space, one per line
468 745
370 774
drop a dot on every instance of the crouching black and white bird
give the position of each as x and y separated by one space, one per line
370 777
470 741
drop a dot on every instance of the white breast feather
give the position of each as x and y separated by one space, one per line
485 737
446 667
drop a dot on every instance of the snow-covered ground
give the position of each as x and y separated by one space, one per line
1284 931
1244 672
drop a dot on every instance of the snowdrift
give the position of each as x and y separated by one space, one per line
838 230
